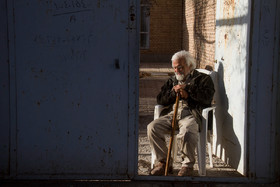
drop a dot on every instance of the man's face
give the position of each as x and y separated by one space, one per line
180 68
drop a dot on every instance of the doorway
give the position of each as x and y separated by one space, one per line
155 65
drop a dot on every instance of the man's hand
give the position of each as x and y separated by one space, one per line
180 89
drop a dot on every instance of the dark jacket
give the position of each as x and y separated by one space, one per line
200 88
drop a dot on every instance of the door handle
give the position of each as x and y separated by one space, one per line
117 64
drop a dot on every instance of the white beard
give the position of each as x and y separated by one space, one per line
179 77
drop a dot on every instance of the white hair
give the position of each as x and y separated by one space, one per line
186 56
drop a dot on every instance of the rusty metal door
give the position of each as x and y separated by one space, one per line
72 88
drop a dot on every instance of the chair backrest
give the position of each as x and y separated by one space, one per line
214 76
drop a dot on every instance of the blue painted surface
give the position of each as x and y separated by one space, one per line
264 92
70 88
4 93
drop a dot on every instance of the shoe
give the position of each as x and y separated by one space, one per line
159 169
185 171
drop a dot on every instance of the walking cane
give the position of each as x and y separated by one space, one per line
172 134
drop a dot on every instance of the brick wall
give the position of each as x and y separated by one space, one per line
165 30
199 30
182 24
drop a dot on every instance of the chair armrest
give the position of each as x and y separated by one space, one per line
205 111
158 110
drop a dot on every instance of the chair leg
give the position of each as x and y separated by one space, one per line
202 143
153 158
174 149
201 154
210 154
202 149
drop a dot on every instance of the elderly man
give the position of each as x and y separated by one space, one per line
196 92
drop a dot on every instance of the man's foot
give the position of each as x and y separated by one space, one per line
158 169
185 171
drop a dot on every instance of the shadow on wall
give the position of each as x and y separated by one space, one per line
199 34
186 36
227 146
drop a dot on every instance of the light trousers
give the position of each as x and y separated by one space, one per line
187 138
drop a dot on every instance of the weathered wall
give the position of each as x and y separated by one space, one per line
263 96
4 91
232 54
54 118
199 30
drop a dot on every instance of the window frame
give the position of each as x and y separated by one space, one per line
146 33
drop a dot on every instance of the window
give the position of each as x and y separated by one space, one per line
145 26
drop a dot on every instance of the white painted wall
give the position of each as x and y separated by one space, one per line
232 52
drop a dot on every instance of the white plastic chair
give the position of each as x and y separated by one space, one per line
203 134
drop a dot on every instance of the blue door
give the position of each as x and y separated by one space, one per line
73 88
